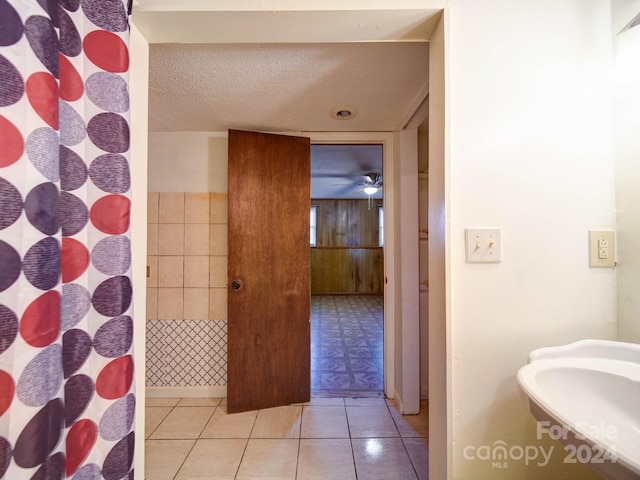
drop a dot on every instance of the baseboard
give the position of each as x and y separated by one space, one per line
216 391
401 406
398 400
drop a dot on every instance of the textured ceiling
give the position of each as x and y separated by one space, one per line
292 88
285 87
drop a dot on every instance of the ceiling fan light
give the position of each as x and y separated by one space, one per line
370 190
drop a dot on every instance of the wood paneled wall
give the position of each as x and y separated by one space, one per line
347 258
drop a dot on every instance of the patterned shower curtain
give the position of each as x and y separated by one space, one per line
66 330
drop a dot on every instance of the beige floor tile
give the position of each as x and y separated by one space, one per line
153 416
382 458
213 459
372 421
321 459
411 425
274 459
183 422
199 402
224 425
324 422
161 402
163 458
278 422
418 449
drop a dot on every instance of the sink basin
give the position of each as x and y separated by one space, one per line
587 395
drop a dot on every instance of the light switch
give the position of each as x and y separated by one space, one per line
484 245
602 248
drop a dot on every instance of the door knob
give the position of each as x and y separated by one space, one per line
236 284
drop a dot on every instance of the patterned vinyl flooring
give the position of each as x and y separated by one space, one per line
347 345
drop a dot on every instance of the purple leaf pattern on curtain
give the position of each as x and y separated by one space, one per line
67 396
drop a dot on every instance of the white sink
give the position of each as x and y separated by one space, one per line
587 394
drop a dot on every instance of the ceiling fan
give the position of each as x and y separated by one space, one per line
371 183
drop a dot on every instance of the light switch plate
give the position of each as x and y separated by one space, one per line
484 245
602 249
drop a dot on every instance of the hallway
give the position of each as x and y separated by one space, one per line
347 345
327 438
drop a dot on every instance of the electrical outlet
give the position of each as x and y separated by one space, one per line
601 248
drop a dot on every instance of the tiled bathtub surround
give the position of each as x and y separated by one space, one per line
187 256
186 290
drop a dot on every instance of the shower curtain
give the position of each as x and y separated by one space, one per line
66 330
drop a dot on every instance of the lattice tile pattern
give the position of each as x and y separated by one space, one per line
186 353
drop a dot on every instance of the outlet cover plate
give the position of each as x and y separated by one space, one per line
596 239
483 245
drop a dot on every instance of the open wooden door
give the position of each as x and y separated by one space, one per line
268 350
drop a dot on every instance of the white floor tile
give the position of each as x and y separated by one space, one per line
382 459
418 449
224 425
183 422
153 416
374 421
273 459
323 459
278 422
213 459
324 422
163 458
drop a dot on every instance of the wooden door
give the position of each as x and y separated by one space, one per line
269 279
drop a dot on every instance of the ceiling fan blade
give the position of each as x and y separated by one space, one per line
357 191
369 178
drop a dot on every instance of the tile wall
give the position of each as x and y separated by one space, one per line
186 289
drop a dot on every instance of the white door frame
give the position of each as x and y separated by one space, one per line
386 140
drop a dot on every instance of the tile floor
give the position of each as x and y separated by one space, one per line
325 439
347 345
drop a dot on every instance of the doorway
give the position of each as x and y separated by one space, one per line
149 30
347 270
